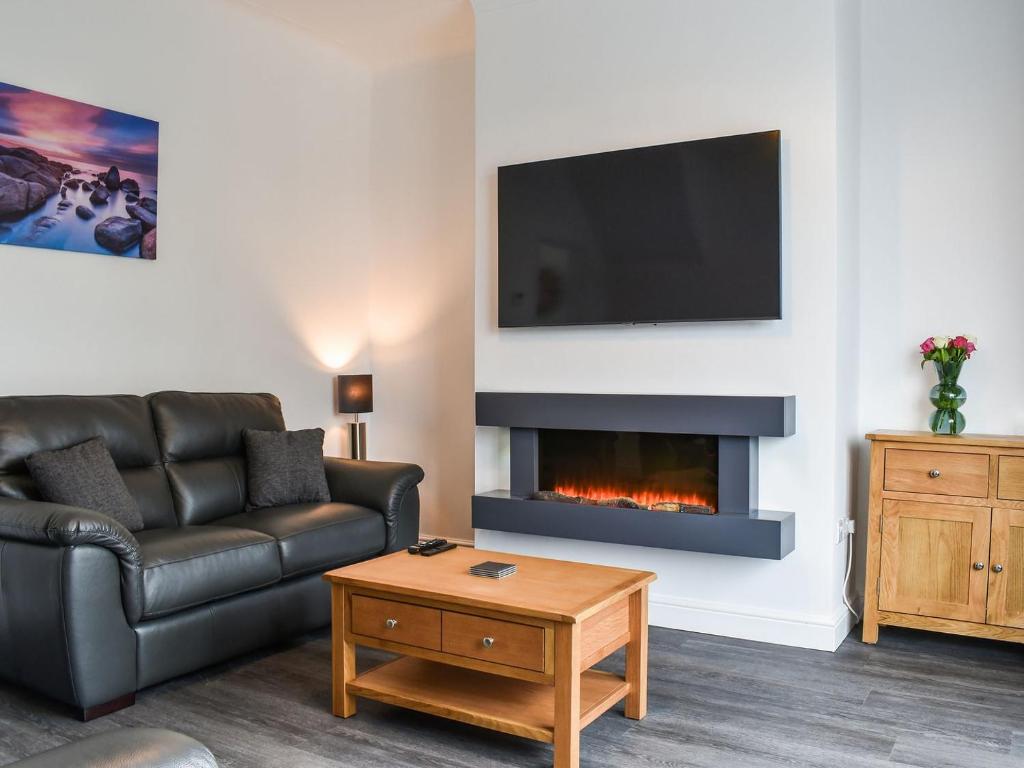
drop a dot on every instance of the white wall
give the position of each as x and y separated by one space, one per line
941 199
262 271
421 294
577 76
942 205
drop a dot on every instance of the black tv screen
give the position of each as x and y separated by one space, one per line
677 232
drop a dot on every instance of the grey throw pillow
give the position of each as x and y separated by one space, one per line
84 475
285 467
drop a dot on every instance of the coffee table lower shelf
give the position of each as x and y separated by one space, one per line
503 704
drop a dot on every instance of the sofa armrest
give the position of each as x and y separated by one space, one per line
40 522
388 487
126 748
59 525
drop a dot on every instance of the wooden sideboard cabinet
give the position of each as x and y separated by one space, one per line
946 535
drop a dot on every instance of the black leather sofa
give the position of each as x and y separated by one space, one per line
91 613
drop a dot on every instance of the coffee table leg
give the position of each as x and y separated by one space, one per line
343 655
636 656
567 695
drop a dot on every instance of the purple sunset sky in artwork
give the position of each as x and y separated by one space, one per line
71 131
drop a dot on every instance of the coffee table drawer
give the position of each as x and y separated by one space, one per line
503 642
397 622
946 473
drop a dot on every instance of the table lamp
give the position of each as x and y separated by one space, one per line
355 396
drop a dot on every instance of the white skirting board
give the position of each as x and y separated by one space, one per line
822 633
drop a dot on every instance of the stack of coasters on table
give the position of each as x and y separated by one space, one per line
493 570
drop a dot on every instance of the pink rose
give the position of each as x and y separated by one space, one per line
928 345
960 342
971 346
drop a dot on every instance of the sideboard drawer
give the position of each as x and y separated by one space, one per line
397 622
503 642
941 472
1011 478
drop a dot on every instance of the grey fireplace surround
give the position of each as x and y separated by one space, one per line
740 528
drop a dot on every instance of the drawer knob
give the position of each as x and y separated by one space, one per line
488 642
998 567
934 473
979 566
391 623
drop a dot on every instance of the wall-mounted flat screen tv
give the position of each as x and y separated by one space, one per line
677 232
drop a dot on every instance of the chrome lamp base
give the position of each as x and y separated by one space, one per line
357 440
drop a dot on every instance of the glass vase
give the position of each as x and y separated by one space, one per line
947 396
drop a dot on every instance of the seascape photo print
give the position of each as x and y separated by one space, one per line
74 177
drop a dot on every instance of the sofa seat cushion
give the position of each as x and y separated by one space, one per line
196 564
318 536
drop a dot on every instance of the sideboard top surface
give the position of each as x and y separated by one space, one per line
986 441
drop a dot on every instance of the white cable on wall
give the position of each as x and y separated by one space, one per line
849 572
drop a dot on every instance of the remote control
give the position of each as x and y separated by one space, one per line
417 549
437 550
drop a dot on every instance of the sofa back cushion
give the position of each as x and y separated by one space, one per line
200 438
32 424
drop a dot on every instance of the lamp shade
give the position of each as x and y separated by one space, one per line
355 393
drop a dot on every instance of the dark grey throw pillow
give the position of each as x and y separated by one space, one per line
84 475
285 467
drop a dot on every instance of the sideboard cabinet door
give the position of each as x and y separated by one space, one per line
1006 569
935 559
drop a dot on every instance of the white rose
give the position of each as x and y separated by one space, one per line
940 341
972 339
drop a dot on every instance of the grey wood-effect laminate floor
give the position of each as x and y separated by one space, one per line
915 699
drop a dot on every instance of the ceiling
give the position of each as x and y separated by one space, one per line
382 34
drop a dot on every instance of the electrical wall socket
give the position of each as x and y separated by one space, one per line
844 526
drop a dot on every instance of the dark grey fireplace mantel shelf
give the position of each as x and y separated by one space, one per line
725 415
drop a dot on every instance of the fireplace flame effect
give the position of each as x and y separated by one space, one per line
645 498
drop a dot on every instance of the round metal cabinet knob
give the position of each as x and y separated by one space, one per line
998 567
488 642
934 473
391 623
979 566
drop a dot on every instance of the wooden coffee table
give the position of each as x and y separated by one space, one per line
513 655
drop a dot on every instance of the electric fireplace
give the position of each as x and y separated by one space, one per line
632 470
667 471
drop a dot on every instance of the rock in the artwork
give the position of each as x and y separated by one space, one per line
73 183
18 167
85 213
37 195
47 180
18 196
118 234
149 204
130 185
113 178
63 193
131 198
99 196
63 205
87 187
42 225
147 218
148 248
